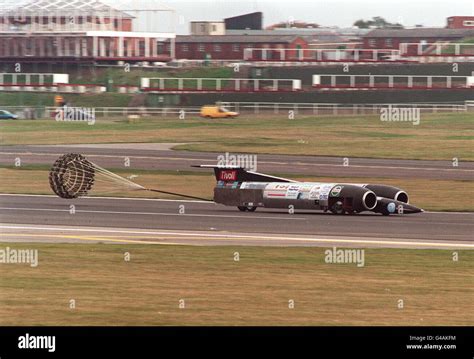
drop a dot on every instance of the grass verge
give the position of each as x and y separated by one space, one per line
438 137
217 290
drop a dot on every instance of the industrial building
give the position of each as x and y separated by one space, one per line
77 31
207 28
460 22
252 21
392 38
232 47
91 31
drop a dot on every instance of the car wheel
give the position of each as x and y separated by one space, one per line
337 208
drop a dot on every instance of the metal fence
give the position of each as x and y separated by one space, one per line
338 109
135 111
269 108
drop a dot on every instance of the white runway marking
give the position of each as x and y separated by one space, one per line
256 238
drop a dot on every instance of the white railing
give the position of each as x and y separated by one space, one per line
340 109
264 108
218 84
268 108
436 49
32 78
320 55
392 81
56 88
128 111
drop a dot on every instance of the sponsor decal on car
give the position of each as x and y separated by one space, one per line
314 195
336 191
228 175
292 192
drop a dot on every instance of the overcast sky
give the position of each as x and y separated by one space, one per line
341 13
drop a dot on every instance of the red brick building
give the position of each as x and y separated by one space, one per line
231 47
460 22
392 38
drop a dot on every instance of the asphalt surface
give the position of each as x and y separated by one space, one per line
148 157
111 220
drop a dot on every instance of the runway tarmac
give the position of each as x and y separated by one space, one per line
29 218
153 157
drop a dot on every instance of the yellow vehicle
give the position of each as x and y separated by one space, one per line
217 112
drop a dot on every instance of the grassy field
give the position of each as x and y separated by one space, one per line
46 99
439 136
121 77
434 195
220 291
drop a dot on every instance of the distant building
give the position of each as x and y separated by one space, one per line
293 25
392 38
76 31
460 22
207 28
231 47
330 36
252 21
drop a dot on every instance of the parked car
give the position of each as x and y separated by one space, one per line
5 115
217 112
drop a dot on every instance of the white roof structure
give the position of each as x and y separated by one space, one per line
144 13
83 5
59 8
